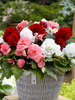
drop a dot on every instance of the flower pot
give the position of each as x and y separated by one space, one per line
47 89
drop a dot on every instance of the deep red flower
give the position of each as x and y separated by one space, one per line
11 36
61 42
44 24
37 28
13 39
0 47
65 33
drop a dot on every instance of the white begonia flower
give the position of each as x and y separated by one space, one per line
54 30
69 50
73 61
36 22
43 70
51 31
1 40
26 33
58 51
44 20
49 48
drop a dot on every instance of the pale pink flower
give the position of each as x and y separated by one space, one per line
53 24
5 49
22 25
11 61
20 63
20 53
20 47
5 18
34 50
35 53
24 42
9 10
27 12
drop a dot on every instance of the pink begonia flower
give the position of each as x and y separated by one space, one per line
22 25
11 61
5 49
20 53
53 24
20 47
34 52
24 42
20 63
41 64
40 37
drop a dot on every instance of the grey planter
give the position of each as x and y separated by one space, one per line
47 89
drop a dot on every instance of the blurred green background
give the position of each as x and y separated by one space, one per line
14 11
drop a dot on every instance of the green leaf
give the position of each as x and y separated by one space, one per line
0 62
6 67
2 96
1 89
7 88
38 73
17 71
63 65
49 36
72 39
0 81
65 69
48 59
34 66
61 62
50 72
1 72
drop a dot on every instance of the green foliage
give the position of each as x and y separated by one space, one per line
35 12
4 89
39 1
49 36
4 1
7 70
66 13
1 33
34 66
56 66
62 64
51 72
1 96
17 71
6 67
38 73
68 90
48 60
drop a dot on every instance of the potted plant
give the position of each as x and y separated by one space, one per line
38 55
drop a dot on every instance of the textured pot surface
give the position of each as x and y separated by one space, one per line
47 89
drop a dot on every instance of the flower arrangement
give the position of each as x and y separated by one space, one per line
41 47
